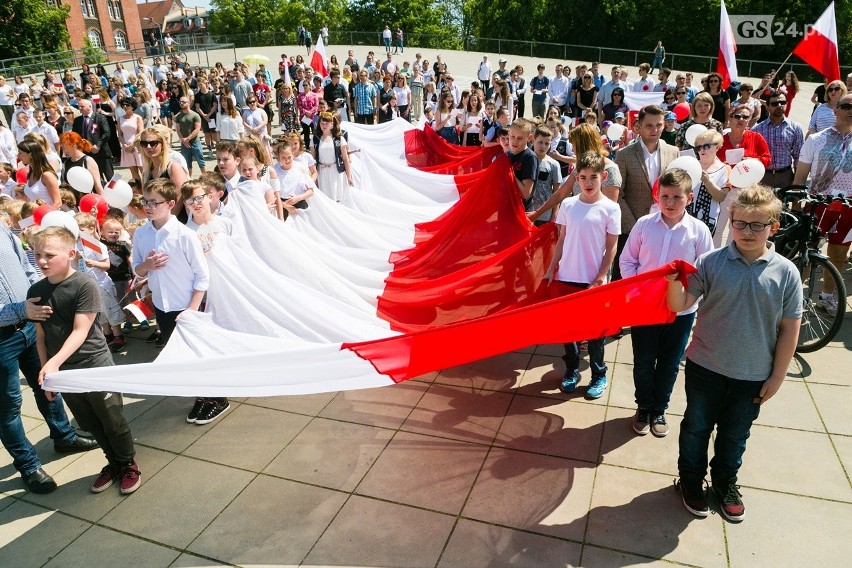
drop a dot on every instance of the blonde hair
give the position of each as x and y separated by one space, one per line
86 220
711 135
164 135
60 234
758 198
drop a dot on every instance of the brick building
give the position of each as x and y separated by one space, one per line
171 17
112 25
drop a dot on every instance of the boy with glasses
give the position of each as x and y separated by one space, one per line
734 364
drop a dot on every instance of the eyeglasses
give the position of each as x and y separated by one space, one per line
149 143
777 103
741 116
754 227
845 106
252 102
680 93
197 200
703 147
149 203
832 89
713 81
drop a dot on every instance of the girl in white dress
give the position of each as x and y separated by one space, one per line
332 156
295 183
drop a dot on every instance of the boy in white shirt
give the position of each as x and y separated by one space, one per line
589 225
656 240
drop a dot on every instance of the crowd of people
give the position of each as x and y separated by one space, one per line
599 189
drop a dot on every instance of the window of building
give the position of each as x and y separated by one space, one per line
95 38
109 9
84 8
91 7
120 40
117 9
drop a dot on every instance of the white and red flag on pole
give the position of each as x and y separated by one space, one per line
318 59
727 65
819 46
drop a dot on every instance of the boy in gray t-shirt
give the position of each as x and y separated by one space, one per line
746 334
72 339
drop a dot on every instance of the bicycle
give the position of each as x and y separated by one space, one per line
799 239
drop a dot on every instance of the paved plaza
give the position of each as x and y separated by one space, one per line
483 465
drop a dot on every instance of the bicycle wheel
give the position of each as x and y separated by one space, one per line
818 325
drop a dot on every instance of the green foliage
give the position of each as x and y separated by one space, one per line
32 27
275 19
93 54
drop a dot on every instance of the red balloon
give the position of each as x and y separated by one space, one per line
21 174
681 111
655 191
94 204
40 212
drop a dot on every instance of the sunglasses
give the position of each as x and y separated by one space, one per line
713 81
149 143
845 106
777 103
703 147
741 116
680 93
832 89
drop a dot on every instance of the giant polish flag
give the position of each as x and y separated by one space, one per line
414 272
318 59
819 46
727 64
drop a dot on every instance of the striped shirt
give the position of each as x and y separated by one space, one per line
365 94
16 277
784 140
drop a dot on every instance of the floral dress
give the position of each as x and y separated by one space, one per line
288 114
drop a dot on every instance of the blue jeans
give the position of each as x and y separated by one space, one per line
194 151
657 64
18 353
595 350
728 404
657 350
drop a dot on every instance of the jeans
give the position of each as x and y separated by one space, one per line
595 350
657 64
18 353
657 350
194 151
728 404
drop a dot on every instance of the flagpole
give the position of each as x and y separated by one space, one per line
781 67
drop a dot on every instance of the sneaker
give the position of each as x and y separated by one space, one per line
659 428
569 381
144 326
160 342
730 500
130 478
105 480
211 411
196 410
153 337
828 303
597 388
127 327
694 496
641 421
117 345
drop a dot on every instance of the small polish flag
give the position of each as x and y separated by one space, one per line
727 64
819 46
90 242
139 310
96 99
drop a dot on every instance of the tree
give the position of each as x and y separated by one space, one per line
31 27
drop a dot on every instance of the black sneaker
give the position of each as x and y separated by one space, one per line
196 410
160 342
694 496
153 337
730 500
211 411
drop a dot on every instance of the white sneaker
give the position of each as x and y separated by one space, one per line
828 302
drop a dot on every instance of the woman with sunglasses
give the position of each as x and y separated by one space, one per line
130 125
446 118
75 150
721 98
162 97
670 99
157 159
701 112
714 188
617 105
823 117
748 101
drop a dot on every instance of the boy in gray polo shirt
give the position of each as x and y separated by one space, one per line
745 336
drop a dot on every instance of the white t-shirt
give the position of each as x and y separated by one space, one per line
210 232
294 181
7 98
586 228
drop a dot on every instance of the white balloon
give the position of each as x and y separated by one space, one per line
694 132
118 193
747 173
80 179
691 165
61 219
615 131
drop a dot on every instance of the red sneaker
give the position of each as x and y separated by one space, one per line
130 478
105 479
